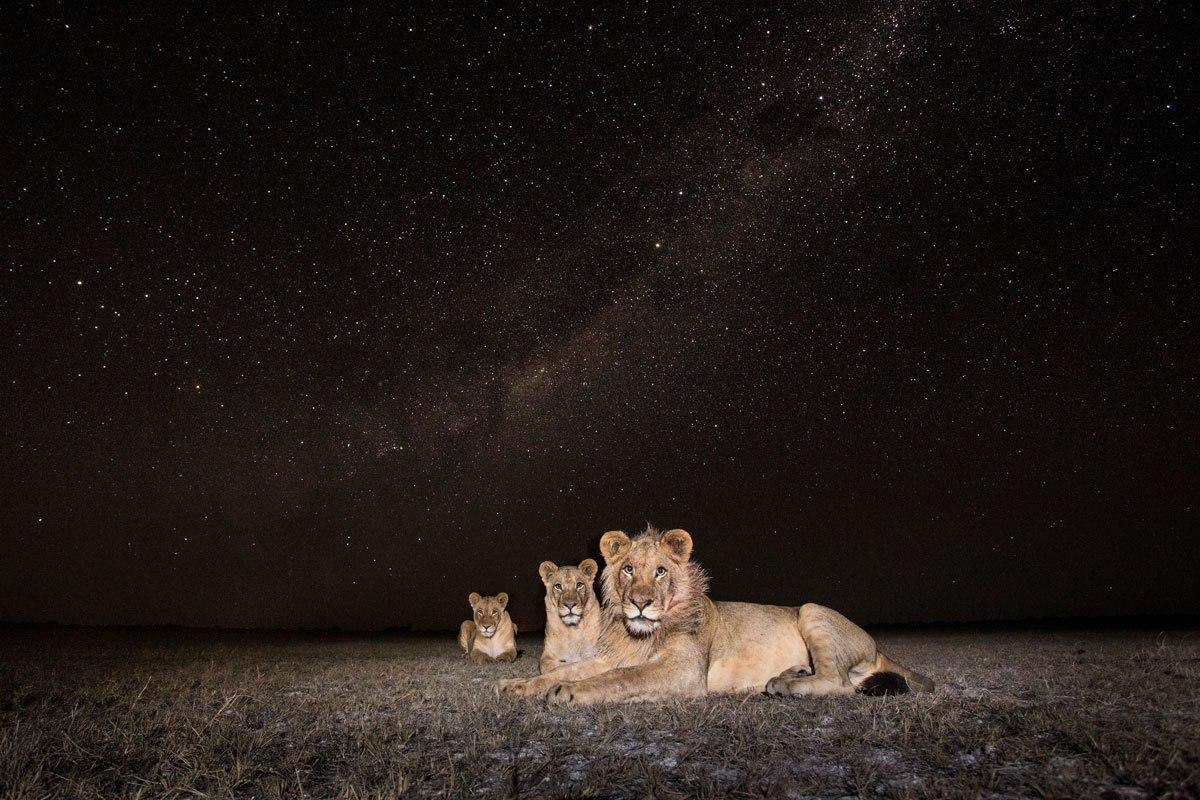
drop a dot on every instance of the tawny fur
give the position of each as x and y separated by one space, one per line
664 638
574 617
490 635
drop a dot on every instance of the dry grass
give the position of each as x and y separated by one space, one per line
104 714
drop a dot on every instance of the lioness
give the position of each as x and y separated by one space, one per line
665 638
573 615
491 636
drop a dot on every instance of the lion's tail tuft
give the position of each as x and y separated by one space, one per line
891 678
880 684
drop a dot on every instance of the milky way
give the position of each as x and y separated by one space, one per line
331 318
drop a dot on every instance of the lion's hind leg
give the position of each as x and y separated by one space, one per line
836 647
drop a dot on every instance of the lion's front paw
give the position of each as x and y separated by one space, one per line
578 693
515 687
561 694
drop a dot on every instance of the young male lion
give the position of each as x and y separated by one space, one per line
491 635
665 638
573 615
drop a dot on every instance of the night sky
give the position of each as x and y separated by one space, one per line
329 318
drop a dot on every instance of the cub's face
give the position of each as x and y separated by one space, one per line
569 589
644 574
488 612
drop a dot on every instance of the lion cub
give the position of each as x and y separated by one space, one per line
490 636
573 618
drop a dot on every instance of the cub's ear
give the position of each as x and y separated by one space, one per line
474 599
547 569
502 599
678 544
614 544
588 567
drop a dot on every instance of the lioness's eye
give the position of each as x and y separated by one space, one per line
579 585
627 569
558 586
660 571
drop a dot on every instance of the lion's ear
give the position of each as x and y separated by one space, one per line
502 599
678 543
614 544
547 569
588 567
474 599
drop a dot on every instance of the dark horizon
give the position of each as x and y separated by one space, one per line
1164 622
320 318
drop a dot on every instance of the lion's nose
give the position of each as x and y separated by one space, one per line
640 601
571 607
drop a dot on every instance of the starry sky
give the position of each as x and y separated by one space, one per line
318 317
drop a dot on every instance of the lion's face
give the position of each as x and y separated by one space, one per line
645 576
489 612
569 589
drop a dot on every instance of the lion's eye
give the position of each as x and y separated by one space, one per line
558 586
660 571
579 585
627 569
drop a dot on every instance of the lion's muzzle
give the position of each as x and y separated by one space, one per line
640 619
570 613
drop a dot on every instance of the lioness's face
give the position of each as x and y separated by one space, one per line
647 573
489 612
569 589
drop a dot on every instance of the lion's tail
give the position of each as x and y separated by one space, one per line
465 634
888 677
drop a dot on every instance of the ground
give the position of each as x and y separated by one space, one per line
175 713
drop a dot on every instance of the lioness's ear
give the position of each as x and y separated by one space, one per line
614 544
547 569
502 599
474 599
678 543
588 567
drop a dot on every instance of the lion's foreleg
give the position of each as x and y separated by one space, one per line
646 682
548 662
528 687
466 633
679 672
